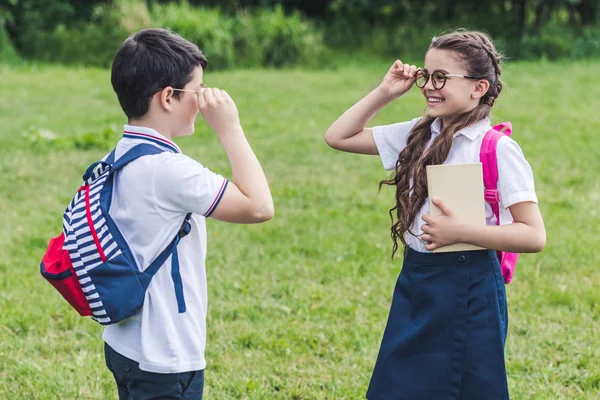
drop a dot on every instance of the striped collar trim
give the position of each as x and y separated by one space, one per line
149 135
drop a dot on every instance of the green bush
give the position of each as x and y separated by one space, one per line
268 37
405 41
286 39
89 33
248 52
555 42
587 43
207 28
551 43
93 43
8 55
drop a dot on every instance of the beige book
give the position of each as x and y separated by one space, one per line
460 187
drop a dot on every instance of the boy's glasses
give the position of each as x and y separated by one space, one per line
438 78
202 86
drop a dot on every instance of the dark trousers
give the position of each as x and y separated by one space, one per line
135 384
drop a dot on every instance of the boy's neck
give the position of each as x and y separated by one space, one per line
149 123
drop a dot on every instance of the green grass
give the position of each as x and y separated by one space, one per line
298 305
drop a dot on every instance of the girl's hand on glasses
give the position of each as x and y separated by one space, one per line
218 110
398 79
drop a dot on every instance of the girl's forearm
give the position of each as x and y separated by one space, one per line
354 120
516 237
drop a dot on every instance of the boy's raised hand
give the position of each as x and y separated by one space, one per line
218 110
398 79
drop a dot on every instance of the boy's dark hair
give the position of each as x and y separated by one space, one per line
149 61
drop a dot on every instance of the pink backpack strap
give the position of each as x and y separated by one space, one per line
489 161
507 126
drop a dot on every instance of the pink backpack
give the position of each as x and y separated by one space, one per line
487 156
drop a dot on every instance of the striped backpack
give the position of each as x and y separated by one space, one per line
90 263
489 161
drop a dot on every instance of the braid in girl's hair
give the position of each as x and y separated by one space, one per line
476 50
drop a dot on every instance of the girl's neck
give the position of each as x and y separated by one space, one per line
443 124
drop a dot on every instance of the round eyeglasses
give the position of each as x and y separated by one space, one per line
438 78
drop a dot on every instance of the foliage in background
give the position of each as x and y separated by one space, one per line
8 53
276 33
263 37
207 28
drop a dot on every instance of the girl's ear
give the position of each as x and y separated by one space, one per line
481 88
166 98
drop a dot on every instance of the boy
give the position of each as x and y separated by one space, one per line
157 75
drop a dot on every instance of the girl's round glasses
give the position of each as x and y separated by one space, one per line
438 78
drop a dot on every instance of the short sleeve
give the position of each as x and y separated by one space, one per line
391 140
515 177
183 184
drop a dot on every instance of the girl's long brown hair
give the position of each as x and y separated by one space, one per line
480 57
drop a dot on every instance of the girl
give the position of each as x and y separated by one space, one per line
447 325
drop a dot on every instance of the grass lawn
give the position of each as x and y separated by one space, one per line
298 305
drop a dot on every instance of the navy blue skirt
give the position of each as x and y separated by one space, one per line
446 330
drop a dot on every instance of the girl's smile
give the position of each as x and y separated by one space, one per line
434 101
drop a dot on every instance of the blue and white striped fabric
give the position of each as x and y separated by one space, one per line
82 238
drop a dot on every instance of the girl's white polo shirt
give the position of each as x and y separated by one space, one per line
515 177
151 197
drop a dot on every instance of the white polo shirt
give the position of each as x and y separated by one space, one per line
151 197
515 178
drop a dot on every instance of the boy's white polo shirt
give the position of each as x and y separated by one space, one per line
515 177
151 197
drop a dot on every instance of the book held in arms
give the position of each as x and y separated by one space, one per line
460 187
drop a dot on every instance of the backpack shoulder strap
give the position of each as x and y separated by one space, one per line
162 257
171 250
110 159
133 154
489 161
505 127
136 152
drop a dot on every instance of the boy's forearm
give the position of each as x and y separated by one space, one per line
356 117
248 174
516 237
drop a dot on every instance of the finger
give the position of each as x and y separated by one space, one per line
406 70
226 96
412 70
208 96
425 228
427 218
397 69
442 206
201 100
431 246
426 237
217 95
